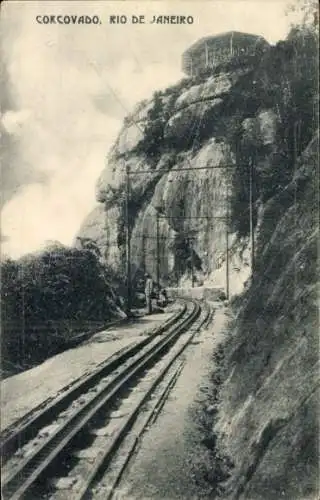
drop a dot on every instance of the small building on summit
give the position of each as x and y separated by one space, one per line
211 51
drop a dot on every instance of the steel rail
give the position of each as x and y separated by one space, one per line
104 458
22 478
28 430
156 407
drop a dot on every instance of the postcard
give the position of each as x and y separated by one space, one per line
159 228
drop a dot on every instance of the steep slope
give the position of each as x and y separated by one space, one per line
268 414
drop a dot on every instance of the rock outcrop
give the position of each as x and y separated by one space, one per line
268 414
189 175
198 153
194 144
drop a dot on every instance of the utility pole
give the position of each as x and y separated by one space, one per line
251 213
158 248
227 244
128 243
206 49
144 253
296 137
192 264
190 245
231 44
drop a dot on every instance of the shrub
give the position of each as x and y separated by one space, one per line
64 287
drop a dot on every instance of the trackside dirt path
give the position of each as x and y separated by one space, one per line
173 459
25 391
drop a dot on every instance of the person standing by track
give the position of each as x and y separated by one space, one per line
148 290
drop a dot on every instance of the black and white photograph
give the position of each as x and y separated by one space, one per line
159 250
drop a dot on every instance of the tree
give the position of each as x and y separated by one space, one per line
46 295
307 14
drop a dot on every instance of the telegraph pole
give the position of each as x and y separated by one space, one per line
158 248
206 54
296 136
144 253
251 213
192 263
227 245
128 243
190 246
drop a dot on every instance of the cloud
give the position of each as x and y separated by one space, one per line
66 90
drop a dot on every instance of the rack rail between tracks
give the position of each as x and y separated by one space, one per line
19 481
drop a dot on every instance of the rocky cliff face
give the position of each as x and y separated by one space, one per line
178 137
267 422
262 113
195 143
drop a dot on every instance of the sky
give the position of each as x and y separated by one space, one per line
65 90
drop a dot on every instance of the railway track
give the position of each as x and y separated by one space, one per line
26 429
63 450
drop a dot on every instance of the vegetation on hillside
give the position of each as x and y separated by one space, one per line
266 404
268 373
50 296
283 80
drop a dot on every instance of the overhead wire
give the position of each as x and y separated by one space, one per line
115 95
194 126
